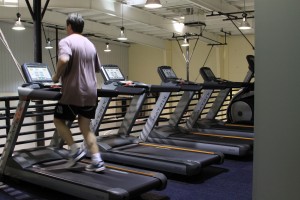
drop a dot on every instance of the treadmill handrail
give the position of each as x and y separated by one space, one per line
214 86
106 93
192 87
39 94
129 90
231 84
55 94
157 88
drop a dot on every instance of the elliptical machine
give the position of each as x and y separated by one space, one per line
241 108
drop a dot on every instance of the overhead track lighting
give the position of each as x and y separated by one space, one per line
107 48
18 24
153 4
245 24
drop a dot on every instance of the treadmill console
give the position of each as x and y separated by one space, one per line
167 74
209 76
112 73
36 72
38 75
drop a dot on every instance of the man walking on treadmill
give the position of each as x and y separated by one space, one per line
77 65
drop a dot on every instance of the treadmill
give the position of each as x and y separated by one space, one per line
240 112
46 165
122 148
173 133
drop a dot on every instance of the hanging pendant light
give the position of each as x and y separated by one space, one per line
245 24
107 48
48 45
185 42
122 34
153 4
18 24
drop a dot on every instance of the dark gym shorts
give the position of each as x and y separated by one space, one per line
69 112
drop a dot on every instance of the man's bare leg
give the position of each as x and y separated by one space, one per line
89 136
91 142
64 131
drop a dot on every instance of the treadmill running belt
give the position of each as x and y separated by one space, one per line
171 153
163 159
111 177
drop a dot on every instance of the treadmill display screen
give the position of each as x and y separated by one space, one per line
39 74
169 73
36 72
112 73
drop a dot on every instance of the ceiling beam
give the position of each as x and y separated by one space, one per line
109 31
214 5
110 7
8 14
129 13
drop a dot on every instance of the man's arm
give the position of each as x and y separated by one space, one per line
97 64
61 65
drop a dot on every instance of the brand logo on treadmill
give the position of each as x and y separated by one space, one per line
161 105
100 111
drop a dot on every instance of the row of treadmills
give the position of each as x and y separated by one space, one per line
135 165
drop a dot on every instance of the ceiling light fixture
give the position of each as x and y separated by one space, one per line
245 24
48 45
107 48
122 34
18 24
153 4
185 42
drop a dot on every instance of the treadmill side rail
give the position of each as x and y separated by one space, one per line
13 134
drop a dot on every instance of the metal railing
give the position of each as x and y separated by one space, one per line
38 127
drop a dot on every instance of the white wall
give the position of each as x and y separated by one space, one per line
198 54
143 61
228 62
22 45
233 61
